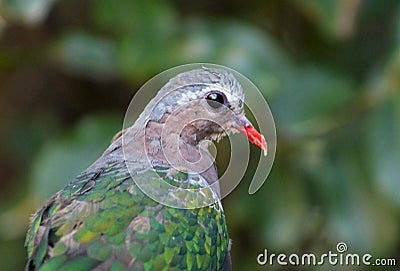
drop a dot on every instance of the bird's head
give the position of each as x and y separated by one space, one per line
202 104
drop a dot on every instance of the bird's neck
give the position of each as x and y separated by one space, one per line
155 145
164 143
180 150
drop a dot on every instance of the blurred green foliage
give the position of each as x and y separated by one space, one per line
330 71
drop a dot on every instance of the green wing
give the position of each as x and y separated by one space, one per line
103 221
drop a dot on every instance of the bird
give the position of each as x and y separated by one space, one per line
107 219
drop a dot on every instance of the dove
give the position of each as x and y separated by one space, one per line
109 216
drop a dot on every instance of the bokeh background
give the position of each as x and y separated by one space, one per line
330 71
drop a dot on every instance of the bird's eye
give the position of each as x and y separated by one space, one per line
215 99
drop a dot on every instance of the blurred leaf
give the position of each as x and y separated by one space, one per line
143 40
144 16
397 29
287 223
383 131
308 98
84 54
29 11
383 142
323 12
61 160
355 213
334 18
2 24
12 249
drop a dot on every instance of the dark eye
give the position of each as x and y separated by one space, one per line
215 99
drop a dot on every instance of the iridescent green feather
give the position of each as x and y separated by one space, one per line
103 220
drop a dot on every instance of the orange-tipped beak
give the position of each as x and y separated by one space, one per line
256 138
252 134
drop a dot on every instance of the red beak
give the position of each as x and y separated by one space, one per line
252 134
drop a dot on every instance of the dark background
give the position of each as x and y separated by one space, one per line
330 71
